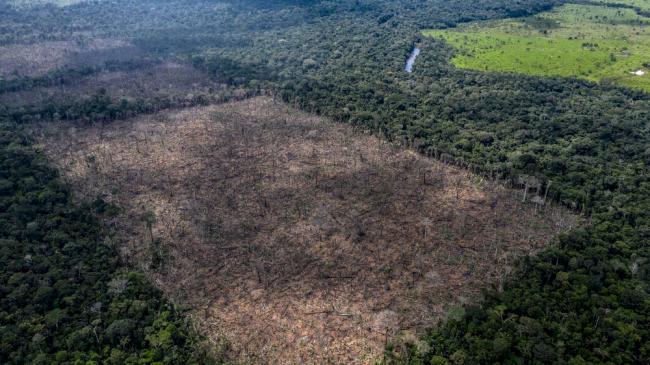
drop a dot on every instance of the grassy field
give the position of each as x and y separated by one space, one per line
591 42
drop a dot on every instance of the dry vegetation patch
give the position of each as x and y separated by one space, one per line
166 79
37 59
33 3
297 240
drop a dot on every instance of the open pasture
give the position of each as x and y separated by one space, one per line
592 42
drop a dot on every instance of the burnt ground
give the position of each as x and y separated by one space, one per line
295 239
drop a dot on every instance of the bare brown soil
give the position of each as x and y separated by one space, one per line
297 240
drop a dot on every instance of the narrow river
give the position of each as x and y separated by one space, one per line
411 61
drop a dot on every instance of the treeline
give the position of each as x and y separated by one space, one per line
101 107
63 297
583 301
69 76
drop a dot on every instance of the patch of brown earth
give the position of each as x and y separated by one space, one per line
168 79
297 240
38 59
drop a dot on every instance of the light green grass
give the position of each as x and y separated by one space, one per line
586 41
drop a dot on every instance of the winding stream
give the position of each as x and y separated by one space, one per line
411 60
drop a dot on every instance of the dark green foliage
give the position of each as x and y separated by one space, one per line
583 302
62 298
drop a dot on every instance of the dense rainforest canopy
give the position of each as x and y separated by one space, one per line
585 300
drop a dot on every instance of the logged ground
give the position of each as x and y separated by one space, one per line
165 79
593 42
39 59
294 239
30 3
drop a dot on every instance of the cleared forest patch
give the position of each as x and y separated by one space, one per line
37 59
295 239
30 3
163 80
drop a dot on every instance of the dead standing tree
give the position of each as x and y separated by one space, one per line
269 214
529 182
